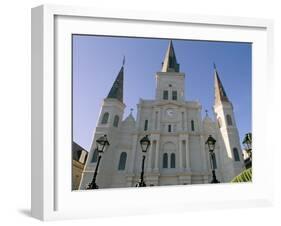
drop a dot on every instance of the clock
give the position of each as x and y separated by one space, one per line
170 112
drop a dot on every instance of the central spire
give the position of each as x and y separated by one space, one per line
116 91
220 94
170 63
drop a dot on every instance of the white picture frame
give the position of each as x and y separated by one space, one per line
52 197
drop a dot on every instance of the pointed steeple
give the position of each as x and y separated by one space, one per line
116 91
170 63
220 94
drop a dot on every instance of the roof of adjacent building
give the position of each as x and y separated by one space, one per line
77 151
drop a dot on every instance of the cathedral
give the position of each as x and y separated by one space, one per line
177 154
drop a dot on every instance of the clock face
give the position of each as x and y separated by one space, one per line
170 112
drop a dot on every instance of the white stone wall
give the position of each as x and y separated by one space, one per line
170 81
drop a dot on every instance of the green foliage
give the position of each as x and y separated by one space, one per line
245 176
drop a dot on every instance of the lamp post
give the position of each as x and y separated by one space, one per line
211 142
102 144
145 143
247 142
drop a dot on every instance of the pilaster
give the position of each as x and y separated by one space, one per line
187 154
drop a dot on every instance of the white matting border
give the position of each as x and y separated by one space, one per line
52 197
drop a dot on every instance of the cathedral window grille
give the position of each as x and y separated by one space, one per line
169 128
174 95
173 160
165 161
229 120
165 95
192 125
122 161
95 156
146 125
236 155
105 118
116 121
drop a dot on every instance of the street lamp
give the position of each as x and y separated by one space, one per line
102 143
211 142
247 142
145 143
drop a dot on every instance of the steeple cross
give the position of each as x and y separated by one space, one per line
215 66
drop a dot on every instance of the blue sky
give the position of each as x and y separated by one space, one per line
98 59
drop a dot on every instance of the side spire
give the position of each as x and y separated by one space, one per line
116 91
220 94
170 63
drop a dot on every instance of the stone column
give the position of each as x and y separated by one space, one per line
156 120
187 154
149 162
180 154
152 120
156 166
133 155
182 119
186 128
159 120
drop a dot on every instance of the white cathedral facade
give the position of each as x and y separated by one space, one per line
177 154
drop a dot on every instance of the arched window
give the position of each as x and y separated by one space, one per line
213 161
116 121
122 161
173 160
165 95
105 118
229 120
219 122
236 155
192 125
165 160
174 95
145 125
95 156
169 128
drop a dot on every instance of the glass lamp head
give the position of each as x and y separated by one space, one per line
102 143
145 143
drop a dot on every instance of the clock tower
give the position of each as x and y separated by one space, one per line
170 81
